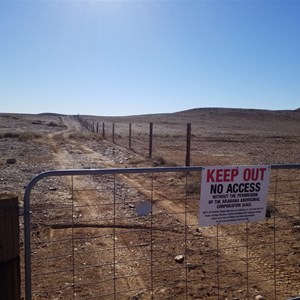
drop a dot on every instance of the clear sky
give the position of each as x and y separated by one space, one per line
140 57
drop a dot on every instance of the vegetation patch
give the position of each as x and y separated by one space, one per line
193 185
52 124
37 122
29 136
160 161
10 135
79 136
21 136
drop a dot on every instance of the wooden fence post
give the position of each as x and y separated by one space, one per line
150 140
130 136
103 130
188 145
9 248
97 127
113 132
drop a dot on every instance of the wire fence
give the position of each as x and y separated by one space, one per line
143 138
134 234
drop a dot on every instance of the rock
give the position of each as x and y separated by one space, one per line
197 232
259 297
179 258
296 228
192 266
11 161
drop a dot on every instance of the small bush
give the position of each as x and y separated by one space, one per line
28 136
193 187
77 136
84 136
193 184
52 124
11 161
159 161
21 136
37 122
12 135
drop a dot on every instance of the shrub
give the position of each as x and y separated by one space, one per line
193 187
13 135
193 184
27 136
37 122
52 124
84 136
158 161
161 161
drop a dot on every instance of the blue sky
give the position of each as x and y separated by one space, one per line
140 57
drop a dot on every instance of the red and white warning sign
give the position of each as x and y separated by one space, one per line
233 194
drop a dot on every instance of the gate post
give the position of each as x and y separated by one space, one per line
9 248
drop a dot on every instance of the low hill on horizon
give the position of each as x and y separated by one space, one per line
191 112
200 110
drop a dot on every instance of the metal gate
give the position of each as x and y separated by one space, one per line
134 234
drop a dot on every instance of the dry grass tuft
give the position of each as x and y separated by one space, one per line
159 161
21 136
193 184
10 135
80 136
29 136
52 124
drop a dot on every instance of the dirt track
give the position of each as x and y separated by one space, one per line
66 146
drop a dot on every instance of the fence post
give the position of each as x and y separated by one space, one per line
97 127
188 145
9 248
113 132
130 136
103 130
150 140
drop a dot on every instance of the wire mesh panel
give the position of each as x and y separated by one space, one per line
134 234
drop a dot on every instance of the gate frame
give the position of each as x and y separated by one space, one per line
78 172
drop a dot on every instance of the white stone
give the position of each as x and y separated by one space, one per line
179 258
